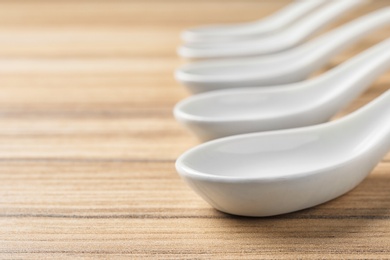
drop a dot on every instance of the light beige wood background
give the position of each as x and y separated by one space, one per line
88 142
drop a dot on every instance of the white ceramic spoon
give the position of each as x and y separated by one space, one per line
228 112
274 43
287 67
279 20
265 174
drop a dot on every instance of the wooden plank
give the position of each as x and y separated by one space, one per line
88 143
51 214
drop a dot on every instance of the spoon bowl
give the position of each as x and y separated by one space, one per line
222 113
283 40
287 67
271 173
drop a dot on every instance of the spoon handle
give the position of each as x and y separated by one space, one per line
372 126
320 19
320 49
343 84
286 39
291 13
267 25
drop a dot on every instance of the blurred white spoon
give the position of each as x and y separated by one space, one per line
265 174
270 24
287 67
283 40
229 112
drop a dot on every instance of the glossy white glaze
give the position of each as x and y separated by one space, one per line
283 68
228 112
283 40
268 25
265 174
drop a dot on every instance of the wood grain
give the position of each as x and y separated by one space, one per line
88 143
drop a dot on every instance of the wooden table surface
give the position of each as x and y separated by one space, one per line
88 142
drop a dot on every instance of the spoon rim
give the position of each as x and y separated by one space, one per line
180 112
187 171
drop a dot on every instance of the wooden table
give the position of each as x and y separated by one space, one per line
88 142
